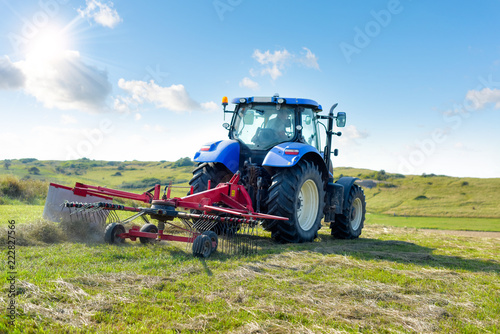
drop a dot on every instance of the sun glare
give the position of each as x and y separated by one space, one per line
48 44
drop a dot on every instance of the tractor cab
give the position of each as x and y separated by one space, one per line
261 123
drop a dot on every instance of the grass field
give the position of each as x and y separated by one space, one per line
442 223
395 278
390 280
20 213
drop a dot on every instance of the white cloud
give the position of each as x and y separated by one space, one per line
102 14
210 106
310 59
64 81
11 76
67 119
274 63
249 83
481 98
124 104
352 134
174 98
277 57
137 117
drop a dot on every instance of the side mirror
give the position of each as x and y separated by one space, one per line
341 118
248 118
307 120
226 126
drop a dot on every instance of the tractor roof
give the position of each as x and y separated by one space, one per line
276 99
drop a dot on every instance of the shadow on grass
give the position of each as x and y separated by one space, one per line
402 252
362 249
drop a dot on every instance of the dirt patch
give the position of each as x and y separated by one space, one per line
474 234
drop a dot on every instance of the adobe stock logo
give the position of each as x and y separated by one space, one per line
223 6
453 119
373 28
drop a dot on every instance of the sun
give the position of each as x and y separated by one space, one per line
48 44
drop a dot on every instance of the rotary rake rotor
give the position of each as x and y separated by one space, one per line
219 218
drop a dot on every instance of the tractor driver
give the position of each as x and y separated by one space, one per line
279 124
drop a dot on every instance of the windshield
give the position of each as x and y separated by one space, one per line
262 126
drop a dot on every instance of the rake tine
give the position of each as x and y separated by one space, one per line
145 219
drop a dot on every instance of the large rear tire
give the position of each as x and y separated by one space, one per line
214 172
349 224
297 193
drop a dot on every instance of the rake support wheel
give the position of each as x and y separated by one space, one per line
149 228
202 246
213 238
112 232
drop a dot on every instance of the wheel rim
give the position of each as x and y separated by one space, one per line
117 231
207 247
307 206
356 213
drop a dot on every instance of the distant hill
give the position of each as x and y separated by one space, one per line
387 193
428 194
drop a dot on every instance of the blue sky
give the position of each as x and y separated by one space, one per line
123 80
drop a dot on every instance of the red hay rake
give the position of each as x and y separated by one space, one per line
222 214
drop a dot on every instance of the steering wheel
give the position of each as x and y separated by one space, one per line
264 136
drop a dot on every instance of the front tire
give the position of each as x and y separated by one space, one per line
349 224
296 193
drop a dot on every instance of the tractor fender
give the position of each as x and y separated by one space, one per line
289 154
226 152
346 182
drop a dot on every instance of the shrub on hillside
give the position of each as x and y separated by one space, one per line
421 197
27 160
28 191
183 162
387 185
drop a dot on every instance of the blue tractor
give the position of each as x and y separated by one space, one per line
274 144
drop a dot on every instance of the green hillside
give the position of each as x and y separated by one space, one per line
386 193
429 195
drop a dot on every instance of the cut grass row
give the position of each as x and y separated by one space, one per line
391 280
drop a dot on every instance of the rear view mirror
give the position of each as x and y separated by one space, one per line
307 120
341 118
248 118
